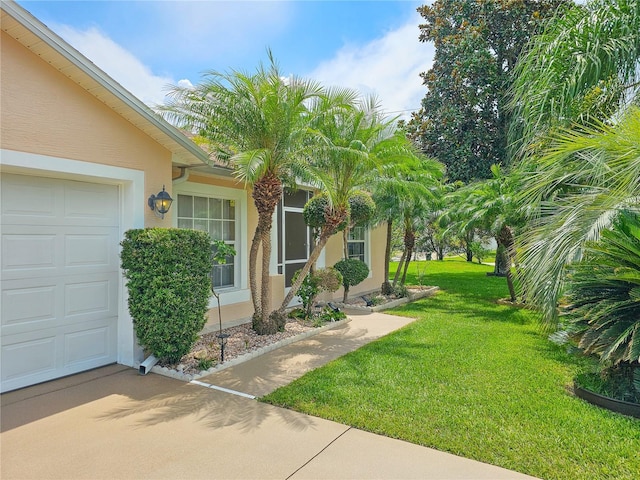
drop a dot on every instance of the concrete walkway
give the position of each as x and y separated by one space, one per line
112 423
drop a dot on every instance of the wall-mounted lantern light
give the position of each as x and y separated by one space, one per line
160 203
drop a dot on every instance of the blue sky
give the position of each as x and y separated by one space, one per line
146 45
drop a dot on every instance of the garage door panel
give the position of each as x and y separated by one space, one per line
91 205
56 352
60 277
32 252
28 201
24 360
84 250
28 308
27 251
89 298
37 304
88 346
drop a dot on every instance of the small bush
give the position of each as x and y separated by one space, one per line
167 272
325 279
330 315
401 291
353 272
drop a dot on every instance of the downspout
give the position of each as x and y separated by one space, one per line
183 177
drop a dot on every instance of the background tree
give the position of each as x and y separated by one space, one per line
492 205
463 120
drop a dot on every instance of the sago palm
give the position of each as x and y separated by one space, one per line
604 294
585 178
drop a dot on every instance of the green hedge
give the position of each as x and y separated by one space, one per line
167 273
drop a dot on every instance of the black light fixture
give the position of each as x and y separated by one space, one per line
222 340
160 203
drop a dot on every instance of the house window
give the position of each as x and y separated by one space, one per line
356 243
217 216
294 237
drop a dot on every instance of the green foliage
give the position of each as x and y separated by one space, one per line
401 291
479 251
353 271
621 382
315 211
167 272
205 363
484 379
463 119
604 294
324 279
329 279
330 315
362 208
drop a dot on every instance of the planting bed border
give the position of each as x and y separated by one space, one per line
426 292
618 406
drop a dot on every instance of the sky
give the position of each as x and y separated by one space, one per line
146 46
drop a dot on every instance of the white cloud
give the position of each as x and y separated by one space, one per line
118 63
388 67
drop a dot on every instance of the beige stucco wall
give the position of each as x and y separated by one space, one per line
44 112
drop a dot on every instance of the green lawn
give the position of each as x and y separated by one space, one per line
475 379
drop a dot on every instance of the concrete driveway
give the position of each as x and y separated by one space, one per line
112 423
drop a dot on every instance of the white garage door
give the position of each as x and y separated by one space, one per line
59 281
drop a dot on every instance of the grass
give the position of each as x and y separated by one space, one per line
475 379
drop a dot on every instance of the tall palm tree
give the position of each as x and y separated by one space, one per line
351 140
258 123
576 132
399 186
492 204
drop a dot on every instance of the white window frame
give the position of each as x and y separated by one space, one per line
367 247
239 292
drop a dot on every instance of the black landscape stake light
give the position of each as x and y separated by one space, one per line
222 340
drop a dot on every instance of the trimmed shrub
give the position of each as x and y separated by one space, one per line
353 272
362 208
316 210
167 272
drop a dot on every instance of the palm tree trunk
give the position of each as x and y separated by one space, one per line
253 271
409 244
265 291
304 272
397 275
331 225
505 239
266 195
386 288
345 243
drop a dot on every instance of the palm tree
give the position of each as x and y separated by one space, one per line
258 123
492 205
350 140
400 186
604 295
576 133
